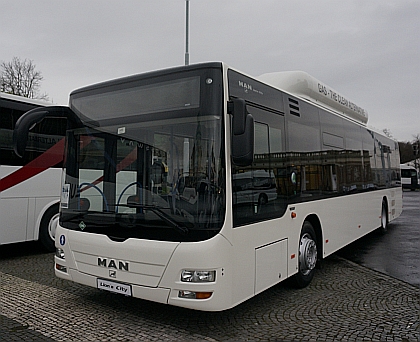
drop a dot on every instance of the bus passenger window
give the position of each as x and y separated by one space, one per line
256 191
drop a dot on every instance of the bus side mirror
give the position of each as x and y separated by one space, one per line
28 120
23 125
242 133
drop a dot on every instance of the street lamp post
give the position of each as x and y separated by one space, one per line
187 23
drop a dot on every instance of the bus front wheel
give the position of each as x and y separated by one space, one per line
48 227
308 256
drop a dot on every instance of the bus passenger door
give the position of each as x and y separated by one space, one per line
259 198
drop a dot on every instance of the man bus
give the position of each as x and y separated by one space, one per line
150 205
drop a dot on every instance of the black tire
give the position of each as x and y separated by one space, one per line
263 199
47 228
384 218
308 256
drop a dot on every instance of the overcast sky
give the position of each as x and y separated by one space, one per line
368 50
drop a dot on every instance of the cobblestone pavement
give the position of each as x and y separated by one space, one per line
345 302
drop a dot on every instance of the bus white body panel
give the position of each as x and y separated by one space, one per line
36 186
244 268
154 274
23 205
281 261
355 214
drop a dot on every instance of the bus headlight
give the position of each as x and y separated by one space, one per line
59 253
193 276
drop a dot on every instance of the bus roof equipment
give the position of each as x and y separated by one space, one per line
301 84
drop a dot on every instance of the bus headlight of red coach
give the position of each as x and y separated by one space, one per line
59 253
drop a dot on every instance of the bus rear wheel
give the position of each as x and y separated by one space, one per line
48 227
308 256
384 218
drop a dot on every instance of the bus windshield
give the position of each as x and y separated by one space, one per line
160 178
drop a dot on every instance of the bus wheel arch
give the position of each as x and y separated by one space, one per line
309 252
48 226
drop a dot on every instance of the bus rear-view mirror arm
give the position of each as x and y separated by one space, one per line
242 133
29 120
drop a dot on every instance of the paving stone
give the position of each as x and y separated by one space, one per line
345 302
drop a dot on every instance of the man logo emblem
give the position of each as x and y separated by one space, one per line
113 273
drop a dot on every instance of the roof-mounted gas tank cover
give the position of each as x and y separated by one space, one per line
303 85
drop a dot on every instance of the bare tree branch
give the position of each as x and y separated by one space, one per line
21 78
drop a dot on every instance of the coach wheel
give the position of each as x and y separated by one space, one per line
262 200
48 228
308 256
384 218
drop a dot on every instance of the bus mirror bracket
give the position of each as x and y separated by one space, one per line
29 120
242 133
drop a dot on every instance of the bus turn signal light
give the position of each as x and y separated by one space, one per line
293 215
194 295
203 295
61 268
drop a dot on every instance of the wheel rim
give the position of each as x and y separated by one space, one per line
52 226
307 254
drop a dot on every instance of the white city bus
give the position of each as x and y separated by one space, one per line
150 205
29 187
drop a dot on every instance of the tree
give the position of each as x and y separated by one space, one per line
406 152
409 151
21 78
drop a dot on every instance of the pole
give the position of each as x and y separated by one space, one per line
187 23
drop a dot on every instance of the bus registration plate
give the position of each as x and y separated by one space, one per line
113 286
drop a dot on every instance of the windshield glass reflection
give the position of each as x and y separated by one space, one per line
161 179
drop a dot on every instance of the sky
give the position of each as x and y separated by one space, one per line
367 50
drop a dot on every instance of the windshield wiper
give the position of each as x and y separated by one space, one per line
159 212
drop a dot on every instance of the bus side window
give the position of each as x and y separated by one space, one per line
256 189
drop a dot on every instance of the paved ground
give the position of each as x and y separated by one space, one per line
396 253
345 302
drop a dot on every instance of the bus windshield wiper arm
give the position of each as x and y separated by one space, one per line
158 211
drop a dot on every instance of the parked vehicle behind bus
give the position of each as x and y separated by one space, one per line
29 187
409 177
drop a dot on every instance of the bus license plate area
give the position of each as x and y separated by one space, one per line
113 286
